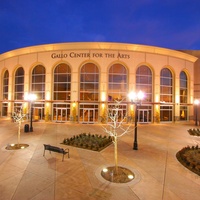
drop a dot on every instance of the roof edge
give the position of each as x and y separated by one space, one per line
97 46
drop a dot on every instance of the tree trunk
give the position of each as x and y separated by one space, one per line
19 126
116 156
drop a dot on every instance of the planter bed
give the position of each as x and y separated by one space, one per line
88 141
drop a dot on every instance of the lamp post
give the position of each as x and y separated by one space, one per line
136 98
31 98
196 103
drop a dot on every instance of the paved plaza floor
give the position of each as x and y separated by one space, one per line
26 174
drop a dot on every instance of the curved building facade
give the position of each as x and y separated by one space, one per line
79 82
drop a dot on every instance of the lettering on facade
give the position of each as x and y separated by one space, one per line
55 55
90 55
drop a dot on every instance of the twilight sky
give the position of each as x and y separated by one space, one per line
173 24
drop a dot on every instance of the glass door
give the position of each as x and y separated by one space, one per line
120 115
5 109
61 115
88 115
38 114
121 112
61 112
143 116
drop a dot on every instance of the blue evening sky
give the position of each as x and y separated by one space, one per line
173 24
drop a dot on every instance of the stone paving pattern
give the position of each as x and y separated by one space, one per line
26 174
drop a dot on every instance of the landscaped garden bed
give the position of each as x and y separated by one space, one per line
89 141
190 158
194 132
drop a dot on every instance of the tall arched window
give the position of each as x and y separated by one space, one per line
144 82
166 95
5 85
183 87
38 82
19 84
183 95
5 93
117 86
166 85
62 82
89 82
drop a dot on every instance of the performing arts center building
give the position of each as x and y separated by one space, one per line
81 82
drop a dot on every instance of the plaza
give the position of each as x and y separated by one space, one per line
27 174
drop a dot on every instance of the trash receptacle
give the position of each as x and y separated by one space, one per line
26 128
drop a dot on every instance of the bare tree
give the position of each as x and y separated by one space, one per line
115 128
18 118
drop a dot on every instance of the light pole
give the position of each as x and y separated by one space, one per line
196 103
136 98
31 98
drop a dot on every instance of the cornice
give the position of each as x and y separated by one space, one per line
98 46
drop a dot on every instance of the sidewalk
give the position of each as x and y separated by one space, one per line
26 174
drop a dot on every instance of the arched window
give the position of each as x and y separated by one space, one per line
5 85
117 84
38 82
166 95
183 95
62 82
144 82
166 85
19 84
89 82
5 93
183 87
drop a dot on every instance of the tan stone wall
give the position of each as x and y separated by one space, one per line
103 55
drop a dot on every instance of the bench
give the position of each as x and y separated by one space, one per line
56 149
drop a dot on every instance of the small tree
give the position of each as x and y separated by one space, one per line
18 117
116 128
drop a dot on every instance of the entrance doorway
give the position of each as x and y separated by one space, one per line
38 113
88 113
121 112
5 109
143 116
61 112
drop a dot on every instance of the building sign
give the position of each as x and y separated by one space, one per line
90 55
